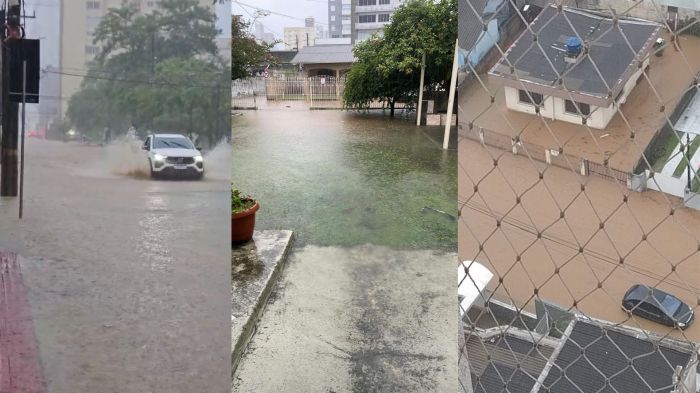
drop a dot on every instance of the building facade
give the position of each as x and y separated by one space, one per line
45 25
296 38
340 18
370 16
78 20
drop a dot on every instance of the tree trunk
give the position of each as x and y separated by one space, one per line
392 103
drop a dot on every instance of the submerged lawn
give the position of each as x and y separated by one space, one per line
338 178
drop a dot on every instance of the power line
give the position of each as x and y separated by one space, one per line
277 13
136 81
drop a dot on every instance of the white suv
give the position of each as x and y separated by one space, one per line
173 154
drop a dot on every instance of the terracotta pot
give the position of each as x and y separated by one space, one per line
243 225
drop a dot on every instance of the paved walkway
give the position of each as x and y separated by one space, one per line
360 319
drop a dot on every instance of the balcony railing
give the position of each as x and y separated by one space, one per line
370 26
375 8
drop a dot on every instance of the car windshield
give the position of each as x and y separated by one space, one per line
172 143
670 304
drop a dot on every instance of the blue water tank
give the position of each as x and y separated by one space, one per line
573 46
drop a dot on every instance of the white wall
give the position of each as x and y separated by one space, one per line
554 107
513 103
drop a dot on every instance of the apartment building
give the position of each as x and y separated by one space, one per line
370 16
359 19
340 18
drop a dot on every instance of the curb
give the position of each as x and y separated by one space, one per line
240 343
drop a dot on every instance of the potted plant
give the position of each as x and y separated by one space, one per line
243 210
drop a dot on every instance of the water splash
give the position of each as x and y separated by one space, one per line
126 158
217 162
121 157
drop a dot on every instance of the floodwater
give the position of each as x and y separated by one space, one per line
128 278
626 238
339 178
365 300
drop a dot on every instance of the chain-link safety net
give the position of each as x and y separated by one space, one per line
579 233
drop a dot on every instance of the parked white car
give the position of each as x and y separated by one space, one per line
173 154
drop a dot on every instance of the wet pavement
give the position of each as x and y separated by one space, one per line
128 279
359 319
255 269
364 304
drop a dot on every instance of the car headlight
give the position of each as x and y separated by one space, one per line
198 159
159 157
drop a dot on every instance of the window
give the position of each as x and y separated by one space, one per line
92 50
332 18
93 5
525 99
671 304
383 17
347 9
367 2
367 18
332 8
91 23
384 2
570 107
363 35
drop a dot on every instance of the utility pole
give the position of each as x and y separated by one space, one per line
688 157
11 34
451 99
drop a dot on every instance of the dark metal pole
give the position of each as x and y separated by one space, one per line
8 154
24 117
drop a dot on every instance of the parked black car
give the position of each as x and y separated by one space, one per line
658 306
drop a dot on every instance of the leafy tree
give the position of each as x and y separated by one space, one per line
158 71
388 66
245 51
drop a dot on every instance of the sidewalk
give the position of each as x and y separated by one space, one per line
20 368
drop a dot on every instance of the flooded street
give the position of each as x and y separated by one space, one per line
339 178
647 238
365 301
127 278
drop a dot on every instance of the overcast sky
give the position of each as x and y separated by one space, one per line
296 11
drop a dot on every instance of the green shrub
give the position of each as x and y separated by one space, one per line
240 203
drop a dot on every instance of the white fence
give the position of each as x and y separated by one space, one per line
319 92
